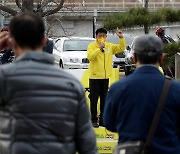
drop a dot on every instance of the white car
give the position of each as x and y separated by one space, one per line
119 59
71 52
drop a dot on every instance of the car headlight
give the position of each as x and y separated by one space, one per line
73 60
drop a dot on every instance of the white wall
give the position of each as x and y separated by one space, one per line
85 28
74 28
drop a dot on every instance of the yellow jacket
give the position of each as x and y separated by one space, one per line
161 70
100 66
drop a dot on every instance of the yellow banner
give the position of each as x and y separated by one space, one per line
106 146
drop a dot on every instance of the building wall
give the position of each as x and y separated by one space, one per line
74 28
85 28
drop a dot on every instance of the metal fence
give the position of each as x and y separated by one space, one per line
121 4
114 4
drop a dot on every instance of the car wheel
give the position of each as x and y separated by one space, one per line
61 64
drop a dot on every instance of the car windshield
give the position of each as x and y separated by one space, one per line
114 39
76 45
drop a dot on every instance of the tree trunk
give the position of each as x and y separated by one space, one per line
146 4
146 29
27 5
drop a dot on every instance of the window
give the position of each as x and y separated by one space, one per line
58 44
76 45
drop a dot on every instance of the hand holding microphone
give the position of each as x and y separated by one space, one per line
101 44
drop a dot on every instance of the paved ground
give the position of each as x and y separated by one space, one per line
122 74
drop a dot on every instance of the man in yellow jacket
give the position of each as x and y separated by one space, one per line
100 54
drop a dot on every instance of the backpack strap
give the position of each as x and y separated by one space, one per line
157 114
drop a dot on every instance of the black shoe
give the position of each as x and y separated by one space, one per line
101 124
95 124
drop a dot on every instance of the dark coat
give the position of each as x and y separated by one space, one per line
7 56
43 109
49 46
131 104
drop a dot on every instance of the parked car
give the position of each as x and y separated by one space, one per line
119 59
71 52
129 66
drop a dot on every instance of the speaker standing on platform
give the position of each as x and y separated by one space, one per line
100 55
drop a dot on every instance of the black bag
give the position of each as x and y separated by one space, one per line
131 147
139 147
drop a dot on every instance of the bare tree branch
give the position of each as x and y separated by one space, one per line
8 10
39 6
49 12
44 7
18 4
65 31
43 4
46 2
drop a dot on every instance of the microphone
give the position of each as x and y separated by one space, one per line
103 47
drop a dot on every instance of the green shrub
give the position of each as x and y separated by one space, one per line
170 51
141 17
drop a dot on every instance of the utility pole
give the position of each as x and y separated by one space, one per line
94 23
146 27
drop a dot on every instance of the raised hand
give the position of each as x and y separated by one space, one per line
4 40
119 33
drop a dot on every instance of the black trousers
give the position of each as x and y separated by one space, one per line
98 87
